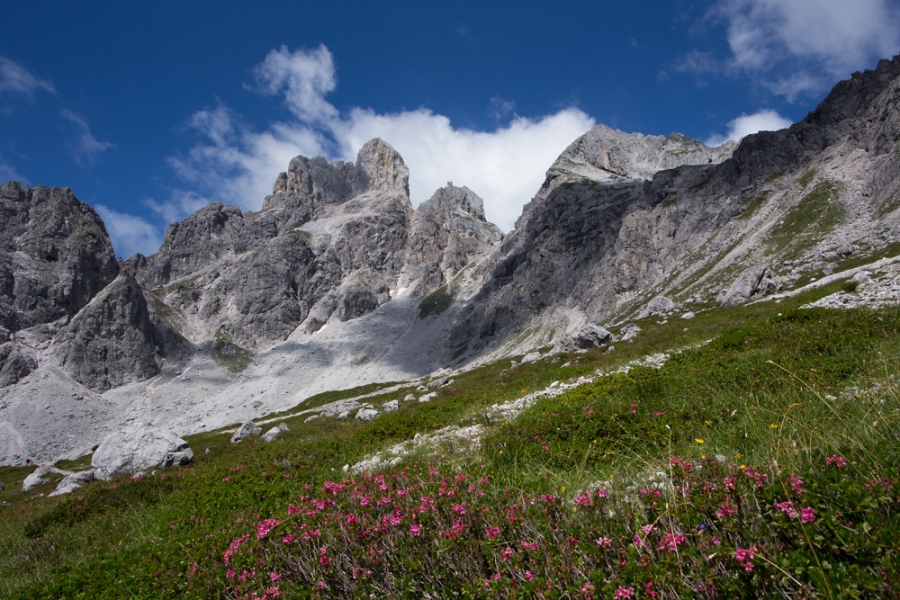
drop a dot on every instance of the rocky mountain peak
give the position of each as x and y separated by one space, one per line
606 154
450 200
380 167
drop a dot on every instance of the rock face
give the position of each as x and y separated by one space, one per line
112 341
55 255
136 448
448 231
609 229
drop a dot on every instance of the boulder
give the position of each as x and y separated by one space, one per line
688 315
247 429
529 358
658 306
272 434
73 481
391 406
38 476
409 398
753 282
428 397
629 332
367 414
592 336
136 448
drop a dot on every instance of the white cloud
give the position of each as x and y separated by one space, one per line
130 233
8 173
88 147
305 77
799 47
15 78
237 165
744 125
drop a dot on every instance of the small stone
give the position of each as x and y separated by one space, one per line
311 418
610 349
428 397
391 406
272 434
688 315
409 398
344 414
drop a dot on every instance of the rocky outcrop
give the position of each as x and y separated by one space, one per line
15 363
112 341
55 255
448 232
137 448
755 282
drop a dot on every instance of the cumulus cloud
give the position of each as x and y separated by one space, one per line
16 79
235 164
799 47
744 125
129 233
86 149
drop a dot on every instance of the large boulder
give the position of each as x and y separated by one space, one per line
72 481
139 447
247 429
272 434
592 336
754 282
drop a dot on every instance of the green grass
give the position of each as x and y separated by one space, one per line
817 213
775 392
229 355
436 302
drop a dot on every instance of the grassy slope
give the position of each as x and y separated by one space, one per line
777 394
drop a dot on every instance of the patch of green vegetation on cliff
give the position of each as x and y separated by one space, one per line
437 302
229 355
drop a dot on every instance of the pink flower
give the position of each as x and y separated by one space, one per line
493 532
807 515
459 509
529 576
837 461
508 553
264 527
274 577
623 593
787 508
796 484
671 542
604 542
726 510
273 592
529 546
415 530
745 557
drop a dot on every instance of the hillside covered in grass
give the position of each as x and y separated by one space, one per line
759 459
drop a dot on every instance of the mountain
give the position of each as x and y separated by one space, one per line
338 282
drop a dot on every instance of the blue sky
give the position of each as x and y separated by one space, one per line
150 110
